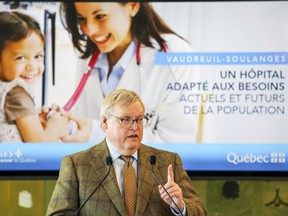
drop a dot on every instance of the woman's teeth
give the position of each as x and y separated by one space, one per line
102 38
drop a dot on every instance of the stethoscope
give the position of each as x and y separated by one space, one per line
71 102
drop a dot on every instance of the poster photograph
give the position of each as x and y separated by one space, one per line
216 93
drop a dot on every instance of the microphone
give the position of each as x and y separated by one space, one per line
153 162
109 163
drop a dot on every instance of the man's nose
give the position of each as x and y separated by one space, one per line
134 125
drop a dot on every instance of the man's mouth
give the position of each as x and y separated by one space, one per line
133 136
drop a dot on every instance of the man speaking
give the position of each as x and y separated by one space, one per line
121 176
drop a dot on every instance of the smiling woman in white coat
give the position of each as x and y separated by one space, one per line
124 37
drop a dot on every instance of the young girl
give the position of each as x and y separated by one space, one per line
21 65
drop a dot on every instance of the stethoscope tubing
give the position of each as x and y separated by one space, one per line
82 82
71 102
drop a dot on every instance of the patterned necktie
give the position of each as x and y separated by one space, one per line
130 186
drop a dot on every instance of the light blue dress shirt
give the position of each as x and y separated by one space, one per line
109 84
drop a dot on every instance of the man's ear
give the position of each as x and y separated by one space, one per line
104 123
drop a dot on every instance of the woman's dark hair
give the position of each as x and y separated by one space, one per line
15 26
146 24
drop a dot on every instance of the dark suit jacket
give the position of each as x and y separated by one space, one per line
81 172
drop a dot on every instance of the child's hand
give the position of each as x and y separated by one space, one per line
83 130
42 117
44 112
58 124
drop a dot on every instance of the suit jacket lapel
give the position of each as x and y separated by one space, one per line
110 183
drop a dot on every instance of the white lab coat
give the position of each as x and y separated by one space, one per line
168 123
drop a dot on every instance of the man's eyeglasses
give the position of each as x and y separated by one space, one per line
128 122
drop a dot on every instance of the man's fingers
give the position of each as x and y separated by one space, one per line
170 177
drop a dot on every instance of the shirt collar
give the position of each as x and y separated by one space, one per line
115 153
123 62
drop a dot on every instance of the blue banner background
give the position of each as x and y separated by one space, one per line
196 157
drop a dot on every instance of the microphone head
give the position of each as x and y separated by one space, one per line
109 160
152 160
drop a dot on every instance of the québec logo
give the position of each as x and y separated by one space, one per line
278 157
273 157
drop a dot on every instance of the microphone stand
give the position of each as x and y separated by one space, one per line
109 163
158 180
